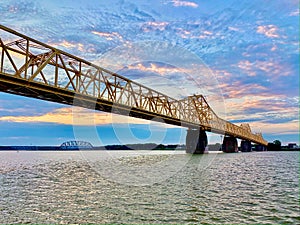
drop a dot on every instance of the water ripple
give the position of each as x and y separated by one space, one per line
235 188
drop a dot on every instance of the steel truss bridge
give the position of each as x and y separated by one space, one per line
31 68
70 145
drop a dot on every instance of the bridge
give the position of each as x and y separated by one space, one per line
34 69
76 145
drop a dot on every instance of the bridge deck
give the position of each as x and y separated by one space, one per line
34 69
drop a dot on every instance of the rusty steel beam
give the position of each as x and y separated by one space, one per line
34 69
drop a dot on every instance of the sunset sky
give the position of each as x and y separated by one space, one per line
248 52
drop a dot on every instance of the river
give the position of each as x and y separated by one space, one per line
149 187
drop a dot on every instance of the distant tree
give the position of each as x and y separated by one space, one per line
274 146
277 142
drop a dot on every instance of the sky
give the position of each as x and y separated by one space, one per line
246 52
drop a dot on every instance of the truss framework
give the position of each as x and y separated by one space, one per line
31 68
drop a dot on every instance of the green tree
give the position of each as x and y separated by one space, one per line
277 142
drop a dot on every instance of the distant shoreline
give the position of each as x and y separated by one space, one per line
96 148
119 147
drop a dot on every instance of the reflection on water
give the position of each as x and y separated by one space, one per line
70 187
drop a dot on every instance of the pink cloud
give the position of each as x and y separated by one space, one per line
205 34
268 30
258 101
271 114
179 3
248 67
75 116
270 68
67 44
183 33
274 48
162 70
187 34
108 36
291 127
238 90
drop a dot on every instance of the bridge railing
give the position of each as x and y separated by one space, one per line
37 63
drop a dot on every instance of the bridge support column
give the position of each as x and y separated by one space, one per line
196 141
230 145
260 148
246 146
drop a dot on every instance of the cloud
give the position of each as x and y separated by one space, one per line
247 66
263 103
203 35
268 30
183 33
68 45
186 34
270 68
291 127
274 48
108 35
153 26
267 114
179 3
155 68
233 28
78 116
60 116
237 89
295 13
268 110
223 75
74 116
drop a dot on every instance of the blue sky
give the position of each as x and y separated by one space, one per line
250 48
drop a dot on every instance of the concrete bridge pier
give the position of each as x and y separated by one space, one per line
196 141
260 148
246 146
230 144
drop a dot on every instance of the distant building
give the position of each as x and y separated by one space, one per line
292 145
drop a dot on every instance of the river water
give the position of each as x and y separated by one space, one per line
149 187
